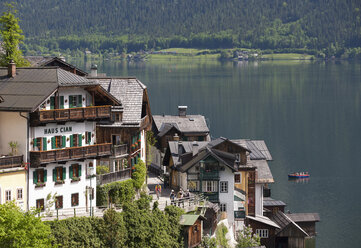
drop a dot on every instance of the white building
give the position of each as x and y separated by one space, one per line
52 114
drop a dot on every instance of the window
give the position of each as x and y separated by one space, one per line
262 233
88 137
224 187
75 101
237 178
58 142
117 117
210 186
39 176
116 140
19 194
76 140
59 202
75 172
223 207
40 204
7 195
59 174
75 199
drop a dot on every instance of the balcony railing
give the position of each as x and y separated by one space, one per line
10 161
209 175
71 114
66 154
119 150
114 176
211 196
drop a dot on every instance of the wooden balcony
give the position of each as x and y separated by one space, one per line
71 114
120 150
71 153
10 161
114 176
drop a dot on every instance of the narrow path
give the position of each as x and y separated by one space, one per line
164 199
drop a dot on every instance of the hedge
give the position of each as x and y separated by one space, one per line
116 192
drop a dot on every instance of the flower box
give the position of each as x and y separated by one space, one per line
39 185
59 182
75 179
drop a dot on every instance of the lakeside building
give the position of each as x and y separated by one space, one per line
223 171
52 113
127 129
182 127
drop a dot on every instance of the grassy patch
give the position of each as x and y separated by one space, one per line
288 56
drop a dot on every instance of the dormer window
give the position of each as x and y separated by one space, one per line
75 101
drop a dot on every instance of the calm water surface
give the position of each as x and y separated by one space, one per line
308 113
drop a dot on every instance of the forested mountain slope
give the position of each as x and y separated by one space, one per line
270 24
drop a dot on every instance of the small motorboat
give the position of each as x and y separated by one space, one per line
299 175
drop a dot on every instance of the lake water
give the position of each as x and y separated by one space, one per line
309 114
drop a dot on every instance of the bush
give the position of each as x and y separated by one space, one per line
78 232
139 174
116 192
102 169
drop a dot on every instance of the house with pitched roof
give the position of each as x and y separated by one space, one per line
51 114
223 171
128 126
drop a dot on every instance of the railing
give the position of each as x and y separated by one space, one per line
113 176
119 150
211 196
10 161
209 175
42 157
71 114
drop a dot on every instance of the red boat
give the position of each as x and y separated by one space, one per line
299 175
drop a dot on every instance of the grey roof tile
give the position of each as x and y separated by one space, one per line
304 217
270 202
186 124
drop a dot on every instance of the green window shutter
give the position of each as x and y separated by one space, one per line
35 177
54 175
71 172
61 103
79 169
89 137
80 101
71 102
52 102
34 143
63 141
64 173
45 144
45 175
53 145
71 141
80 137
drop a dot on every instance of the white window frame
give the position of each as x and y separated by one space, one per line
223 207
17 194
262 233
7 195
223 187
240 177
213 185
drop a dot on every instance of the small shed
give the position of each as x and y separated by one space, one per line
192 227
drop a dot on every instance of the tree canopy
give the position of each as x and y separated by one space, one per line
12 37
19 229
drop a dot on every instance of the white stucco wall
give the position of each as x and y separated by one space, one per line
13 127
259 199
63 130
66 92
228 198
143 145
65 189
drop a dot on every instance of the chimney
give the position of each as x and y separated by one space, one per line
195 148
182 111
11 69
176 137
62 58
94 71
180 148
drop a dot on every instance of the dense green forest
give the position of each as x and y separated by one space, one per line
132 25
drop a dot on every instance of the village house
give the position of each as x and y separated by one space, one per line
127 129
182 127
229 173
52 114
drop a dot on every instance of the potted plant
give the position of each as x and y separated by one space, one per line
14 145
